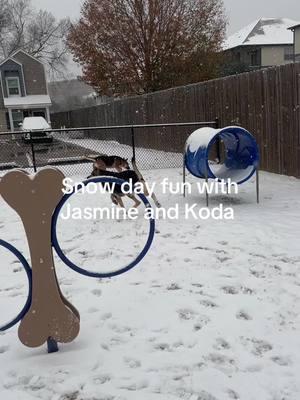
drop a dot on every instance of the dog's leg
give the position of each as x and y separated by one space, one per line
117 200
140 176
137 202
114 199
145 189
120 201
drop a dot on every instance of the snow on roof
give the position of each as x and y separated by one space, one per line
33 100
265 31
35 123
294 27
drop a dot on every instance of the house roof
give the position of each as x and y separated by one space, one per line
265 31
10 59
24 102
294 27
12 55
27 54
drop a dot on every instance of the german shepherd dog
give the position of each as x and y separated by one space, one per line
103 162
127 176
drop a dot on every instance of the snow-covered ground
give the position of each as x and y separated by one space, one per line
211 313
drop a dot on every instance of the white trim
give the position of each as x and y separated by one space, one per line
27 54
2 86
48 116
11 122
26 106
7 78
11 59
45 75
28 101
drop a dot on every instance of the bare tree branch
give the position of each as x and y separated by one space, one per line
37 32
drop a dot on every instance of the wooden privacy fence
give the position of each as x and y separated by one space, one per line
266 102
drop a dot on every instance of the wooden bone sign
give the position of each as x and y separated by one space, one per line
34 198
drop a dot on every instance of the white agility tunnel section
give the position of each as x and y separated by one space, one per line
241 154
240 160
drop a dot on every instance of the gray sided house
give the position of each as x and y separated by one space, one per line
296 32
23 90
264 43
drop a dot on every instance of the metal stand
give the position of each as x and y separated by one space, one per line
206 191
184 174
257 186
218 143
133 142
52 345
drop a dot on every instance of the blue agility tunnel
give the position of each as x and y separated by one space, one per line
241 158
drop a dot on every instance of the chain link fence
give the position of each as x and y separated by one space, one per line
153 146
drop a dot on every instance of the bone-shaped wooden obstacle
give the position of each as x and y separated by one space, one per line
50 317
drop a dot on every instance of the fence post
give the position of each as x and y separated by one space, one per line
133 142
33 153
217 124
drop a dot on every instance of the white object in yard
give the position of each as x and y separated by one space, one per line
35 123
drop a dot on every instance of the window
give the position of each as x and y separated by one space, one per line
13 86
17 116
289 53
254 58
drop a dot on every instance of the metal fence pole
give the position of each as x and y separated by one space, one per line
33 153
257 186
217 124
133 142
184 173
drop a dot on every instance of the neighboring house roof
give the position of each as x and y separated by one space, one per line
265 31
11 57
294 27
33 100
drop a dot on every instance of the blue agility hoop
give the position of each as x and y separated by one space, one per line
28 271
82 271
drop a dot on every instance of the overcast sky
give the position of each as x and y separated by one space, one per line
240 12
